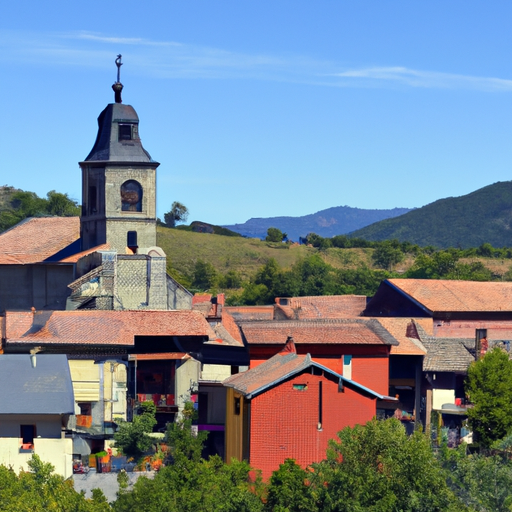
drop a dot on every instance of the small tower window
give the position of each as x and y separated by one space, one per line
92 199
131 196
131 239
125 132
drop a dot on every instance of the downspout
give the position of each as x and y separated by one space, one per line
102 396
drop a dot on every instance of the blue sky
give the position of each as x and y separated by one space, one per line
265 108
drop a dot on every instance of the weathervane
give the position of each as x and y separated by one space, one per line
118 86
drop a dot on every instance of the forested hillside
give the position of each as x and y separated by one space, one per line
16 205
484 216
251 271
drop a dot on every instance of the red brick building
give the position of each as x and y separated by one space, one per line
357 348
289 407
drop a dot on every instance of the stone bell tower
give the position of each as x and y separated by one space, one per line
118 183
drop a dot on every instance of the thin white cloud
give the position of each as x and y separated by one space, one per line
119 40
171 59
425 79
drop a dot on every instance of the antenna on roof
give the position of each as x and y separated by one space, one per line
118 86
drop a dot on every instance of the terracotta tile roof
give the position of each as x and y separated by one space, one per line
251 312
270 372
95 327
279 368
75 257
447 295
398 328
328 306
198 298
36 239
158 356
446 354
324 331
231 328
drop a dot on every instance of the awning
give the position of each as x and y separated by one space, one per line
80 446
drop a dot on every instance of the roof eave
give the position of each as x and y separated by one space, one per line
409 297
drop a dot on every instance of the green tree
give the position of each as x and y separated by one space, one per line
40 490
132 437
177 213
183 444
289 489
188 483
489 386
275 235
483 483
378 467
205 276
61 205
438 265
387 254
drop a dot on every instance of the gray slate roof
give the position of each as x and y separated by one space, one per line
108 147
446 354
45 389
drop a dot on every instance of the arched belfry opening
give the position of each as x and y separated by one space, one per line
131 196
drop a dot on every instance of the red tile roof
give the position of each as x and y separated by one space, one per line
36 239
95 327
333 331
279 368
328 306
459 296
270 372
228 322
397 327
251 312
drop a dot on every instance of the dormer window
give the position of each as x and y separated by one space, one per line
125 131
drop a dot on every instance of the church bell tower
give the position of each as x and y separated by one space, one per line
118 183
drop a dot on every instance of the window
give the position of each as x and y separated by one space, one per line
300 387
131 196
347 367
237 406
125 132
92 199
27 434
85 408
131 239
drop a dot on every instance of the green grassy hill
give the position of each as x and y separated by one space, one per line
244 255
484 216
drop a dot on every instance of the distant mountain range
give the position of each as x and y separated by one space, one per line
334 221
466 221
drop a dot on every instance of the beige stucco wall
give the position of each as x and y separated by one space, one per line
215 372
442 396
187 379
58 452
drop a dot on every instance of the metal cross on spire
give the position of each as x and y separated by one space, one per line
118 86
119 64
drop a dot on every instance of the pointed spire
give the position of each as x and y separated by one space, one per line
118 86
289 347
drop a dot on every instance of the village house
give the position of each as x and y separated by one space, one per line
290 406
35 411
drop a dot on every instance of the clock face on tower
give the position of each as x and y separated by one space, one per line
131 196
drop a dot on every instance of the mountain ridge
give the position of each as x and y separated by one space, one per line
482 216
337 220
